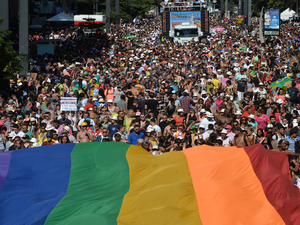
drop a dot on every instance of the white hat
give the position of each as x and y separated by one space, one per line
90 109
219 70
67 128
94 99
261 84
110 101
195 95
101 100
294 121
251 116
238 113
81 109
49 127
114 118
203 93
270 126
186 91
11 135
33 140
279 101
202 111
287 96
180 110
229 73
222 110
33 119
35 144
210 115
224 131
204 75
243 77
149 130
236 64
209 80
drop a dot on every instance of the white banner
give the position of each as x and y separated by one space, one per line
68 104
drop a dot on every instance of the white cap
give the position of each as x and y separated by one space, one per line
101 100
224 131
110 101
209 80
261 84
238 113
180 110
270 126
222 110
202 126
186 91
203 93
251 116
94 99
81 109
90 109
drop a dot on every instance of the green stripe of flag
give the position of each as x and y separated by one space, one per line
98 182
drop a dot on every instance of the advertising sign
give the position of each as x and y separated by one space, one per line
68 104
210 8
271 21
192 17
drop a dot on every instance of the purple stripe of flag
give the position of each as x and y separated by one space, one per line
4 165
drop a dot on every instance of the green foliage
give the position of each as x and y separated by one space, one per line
10 61
127 14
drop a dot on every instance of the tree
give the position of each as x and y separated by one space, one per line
10 61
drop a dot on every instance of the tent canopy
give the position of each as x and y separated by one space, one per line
286 14
61 17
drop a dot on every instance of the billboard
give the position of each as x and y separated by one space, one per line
271 22
210 8
192 17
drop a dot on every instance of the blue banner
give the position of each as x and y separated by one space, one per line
192 17
271 19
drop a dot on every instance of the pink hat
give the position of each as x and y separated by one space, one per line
228 127
138 113
1 123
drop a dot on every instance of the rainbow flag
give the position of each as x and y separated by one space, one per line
122 184
223 50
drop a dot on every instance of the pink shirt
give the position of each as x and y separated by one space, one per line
262 121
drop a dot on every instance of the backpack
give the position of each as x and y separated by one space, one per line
293 93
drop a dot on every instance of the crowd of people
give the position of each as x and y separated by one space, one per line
160 95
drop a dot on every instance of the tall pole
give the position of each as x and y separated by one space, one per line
261 35
226 8
222 7
107 15
4 14
245 11
117 14
23 34
240 10
249 13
